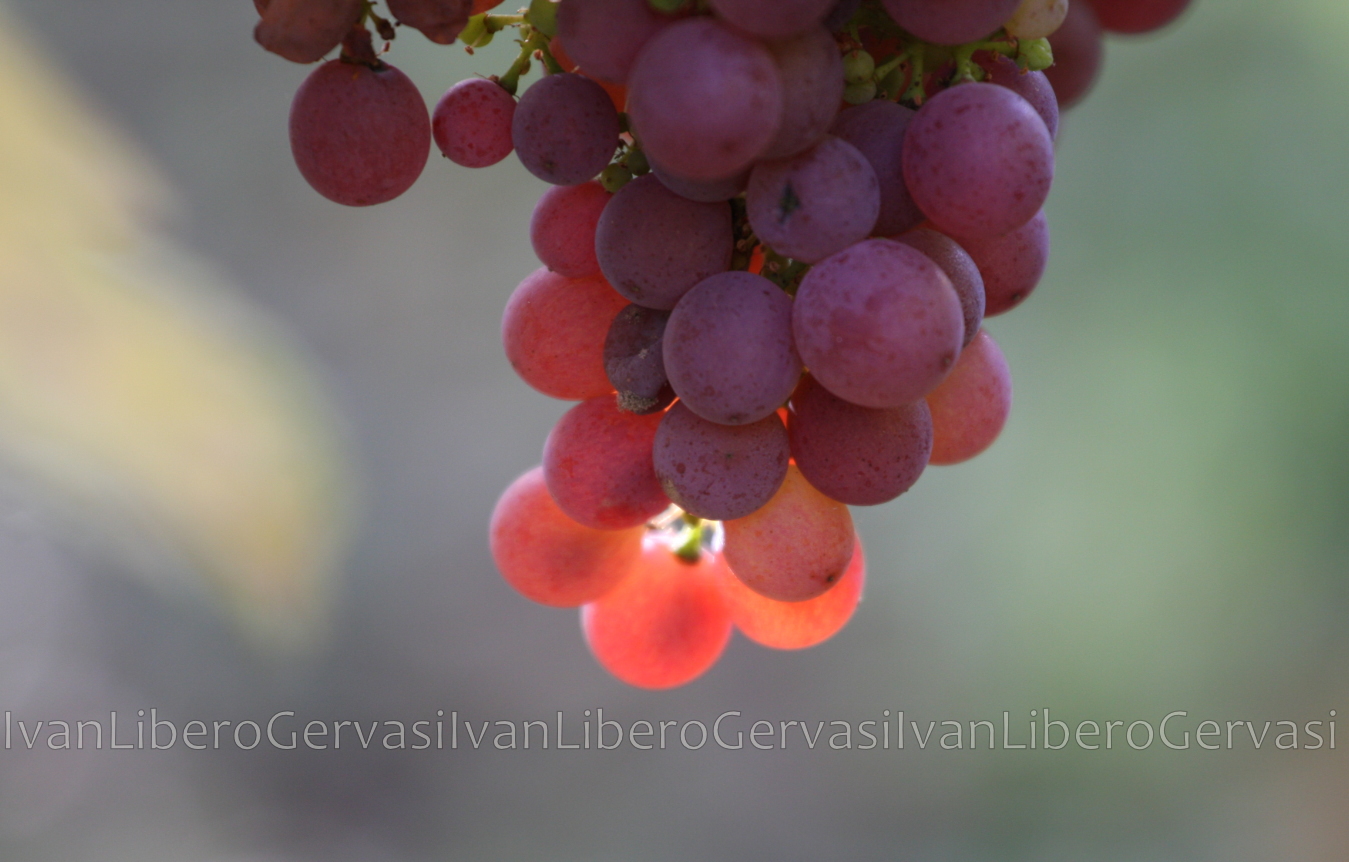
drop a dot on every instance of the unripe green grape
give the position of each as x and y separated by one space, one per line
858 66
860 94
636 162
1035 55
542 16
615 177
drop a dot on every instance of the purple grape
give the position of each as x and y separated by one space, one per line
604 36
817 203
565 129
703 99
1011 265
877 324
472 123
841 14
951 22
857 455
703 191
959 267
978 160
654 246
773 19
728 348
1034 87
812 89
634 360
719 471
877 129
1078 48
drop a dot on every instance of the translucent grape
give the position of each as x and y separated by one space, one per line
877 130
704 100
472 123
773 19
797 625
814 204
438 20
858 455
1078 49
811 71
562 229
550 558
553 330
978 160
1036 19
565 129
719 471
950 22
604 36
959 267
597 463
971 406
360 136
877 324
635 361
1138 16
728 348
794 548
1011 265
663 626
303 31
1034 87
654 245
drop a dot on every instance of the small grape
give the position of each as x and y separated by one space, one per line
1078 50
472 123
562 229
634 359
971 405
719 471
797 625
303 31
1036 19
565 129
1011 265
950 22
1138 16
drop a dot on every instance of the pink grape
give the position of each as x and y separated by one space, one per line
303 31
794 548
812 90
360 136
877 324
553 330
1011 265
728 348
812 205
438 20
472 123
797 625
959 267
773 19
597 463
719 471
704 100
565 129
857 455
654 245
604 36
1078 49
663 626
971 405
562 229
978 160
877 130
950 22
1137 16
550 558
1034 87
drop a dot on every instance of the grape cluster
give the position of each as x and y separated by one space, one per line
774 230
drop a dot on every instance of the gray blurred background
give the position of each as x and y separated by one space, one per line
1163 526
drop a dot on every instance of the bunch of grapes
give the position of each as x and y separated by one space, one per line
774 231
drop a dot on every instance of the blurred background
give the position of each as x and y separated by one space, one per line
250 440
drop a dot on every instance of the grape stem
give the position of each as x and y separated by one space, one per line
691 549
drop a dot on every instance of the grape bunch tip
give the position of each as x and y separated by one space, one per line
773 233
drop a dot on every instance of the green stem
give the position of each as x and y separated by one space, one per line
692 548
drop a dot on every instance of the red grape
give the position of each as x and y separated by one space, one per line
472 123
1011 265
553 330
565 129
562 230
797 625
972 404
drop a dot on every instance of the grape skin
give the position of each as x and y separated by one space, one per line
1034 87
550 558
1036 19
812 205
663 626
728 348
794 548
565 129
704 100
858 455
704 191
811 71
773 19
303 31
360 136
877 130
634 359
1137 16
877 324
597 463
1011 265
472 123
1078 52
950 22
797 625
654 245
978 160
562 229
605 36
719 471
971 406
438 20
959 267
553 330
